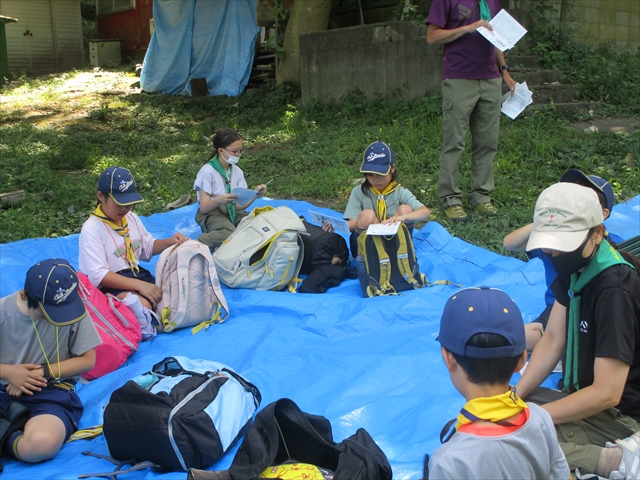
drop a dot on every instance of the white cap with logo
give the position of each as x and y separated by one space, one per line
564 214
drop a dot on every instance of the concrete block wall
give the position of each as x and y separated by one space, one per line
390 57
617 21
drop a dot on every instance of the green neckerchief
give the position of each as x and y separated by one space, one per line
231 207
605 257
485 13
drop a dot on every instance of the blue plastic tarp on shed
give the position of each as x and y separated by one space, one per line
211 39
372 363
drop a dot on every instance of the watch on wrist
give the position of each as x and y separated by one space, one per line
503 68
46 372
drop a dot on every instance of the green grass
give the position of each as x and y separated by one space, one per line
56 136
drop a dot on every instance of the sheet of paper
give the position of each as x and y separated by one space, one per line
506 31
512 106
244 195
339 225
383 229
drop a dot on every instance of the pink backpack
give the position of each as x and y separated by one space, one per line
117 326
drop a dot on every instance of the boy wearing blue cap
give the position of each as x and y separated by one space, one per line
380 198
46 341
496 435
113 240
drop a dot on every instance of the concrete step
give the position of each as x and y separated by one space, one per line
536 77
569 108
522 61
550 93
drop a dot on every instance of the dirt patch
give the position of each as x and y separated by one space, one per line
67 98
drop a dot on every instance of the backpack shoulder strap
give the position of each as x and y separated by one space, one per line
405 244
384 281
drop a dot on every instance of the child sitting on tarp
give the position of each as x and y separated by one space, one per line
497 435
46 340
380 198
217 214
113 240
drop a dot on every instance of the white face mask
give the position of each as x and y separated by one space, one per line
231 160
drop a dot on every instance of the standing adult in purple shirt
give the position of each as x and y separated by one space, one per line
472 76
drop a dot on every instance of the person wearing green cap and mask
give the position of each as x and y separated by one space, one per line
472 75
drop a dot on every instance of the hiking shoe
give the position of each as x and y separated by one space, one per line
487 209
630 464
456 213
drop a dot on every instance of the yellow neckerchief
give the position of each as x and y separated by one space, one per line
382 204
56 377
494 409
123 231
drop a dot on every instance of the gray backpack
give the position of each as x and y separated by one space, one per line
191 293
265 252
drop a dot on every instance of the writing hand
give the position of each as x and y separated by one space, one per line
262 190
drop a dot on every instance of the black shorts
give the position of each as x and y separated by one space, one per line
143 274
59 400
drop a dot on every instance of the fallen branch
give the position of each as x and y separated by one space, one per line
8 200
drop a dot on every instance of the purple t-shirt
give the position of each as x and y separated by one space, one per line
471 56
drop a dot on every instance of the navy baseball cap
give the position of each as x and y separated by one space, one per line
481 310
378 158
600 185
53 283
120 185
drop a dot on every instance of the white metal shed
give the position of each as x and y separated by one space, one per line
46 38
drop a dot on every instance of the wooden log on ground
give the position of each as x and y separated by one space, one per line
8 200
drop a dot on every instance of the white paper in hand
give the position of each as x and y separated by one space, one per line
506 31
244 195
339 225
383 229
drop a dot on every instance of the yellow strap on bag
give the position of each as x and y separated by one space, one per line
85 433
295 471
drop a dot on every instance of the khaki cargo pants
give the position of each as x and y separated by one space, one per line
216 226
582 441
469 105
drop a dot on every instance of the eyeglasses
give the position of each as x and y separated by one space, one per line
237 153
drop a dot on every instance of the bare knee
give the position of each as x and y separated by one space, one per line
367 217
533 333
37 445
404 210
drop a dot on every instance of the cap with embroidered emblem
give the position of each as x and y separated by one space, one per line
481 310
120 185
564 214
377 159
53 283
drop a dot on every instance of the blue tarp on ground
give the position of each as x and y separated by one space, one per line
371 363
211 39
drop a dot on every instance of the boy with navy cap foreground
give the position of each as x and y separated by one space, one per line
496 435
595 325
46 341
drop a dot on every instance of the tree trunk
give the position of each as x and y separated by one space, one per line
306 16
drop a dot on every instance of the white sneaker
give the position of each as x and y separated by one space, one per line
629 468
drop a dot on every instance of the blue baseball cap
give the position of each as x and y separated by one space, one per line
53 283
600 185
378 158
481 310
120 185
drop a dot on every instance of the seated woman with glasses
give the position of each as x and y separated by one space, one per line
218 215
